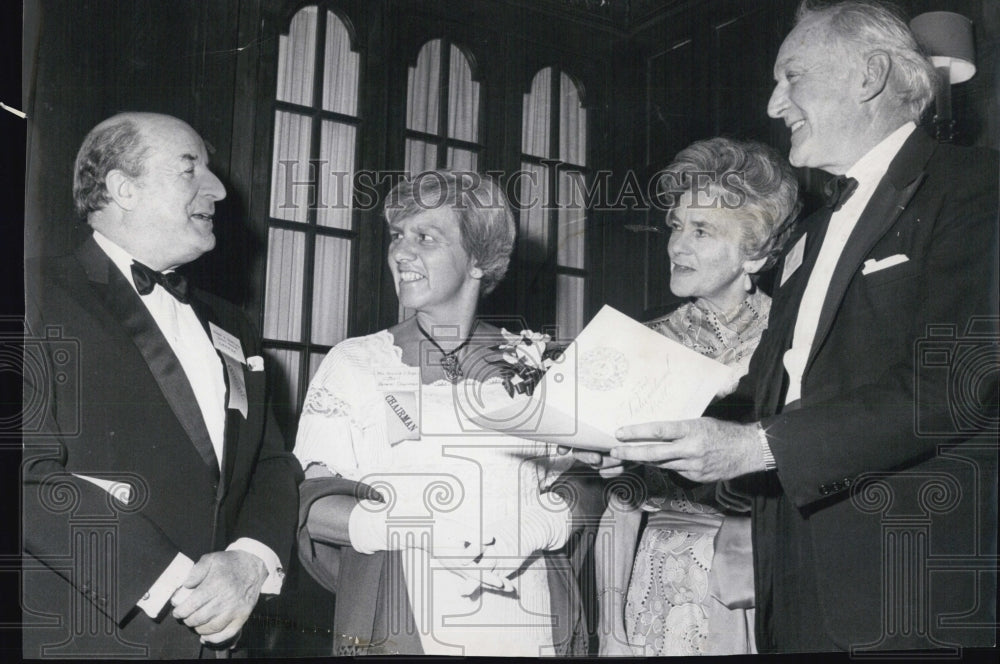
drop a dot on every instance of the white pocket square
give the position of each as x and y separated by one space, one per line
116 489
871 265
255 362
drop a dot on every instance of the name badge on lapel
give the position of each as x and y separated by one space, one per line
399 387
232 355
793 260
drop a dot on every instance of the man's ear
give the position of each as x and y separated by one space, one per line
121 188
876 75
753 266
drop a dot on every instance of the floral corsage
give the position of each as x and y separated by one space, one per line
525 359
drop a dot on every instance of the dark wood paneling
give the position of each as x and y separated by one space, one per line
708 73
98 58
741 80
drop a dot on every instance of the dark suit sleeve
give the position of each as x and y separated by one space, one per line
110 552
877 425
269 511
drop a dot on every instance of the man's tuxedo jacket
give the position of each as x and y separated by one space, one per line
106 397
888 466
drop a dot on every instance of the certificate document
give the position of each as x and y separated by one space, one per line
616 372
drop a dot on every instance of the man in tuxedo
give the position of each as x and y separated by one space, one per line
872 460
158 498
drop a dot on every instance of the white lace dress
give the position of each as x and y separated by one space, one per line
455 469
669 609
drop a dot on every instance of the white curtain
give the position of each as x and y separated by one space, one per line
297 59
572 218
291 173
537 109
462 160
533 235
336 174
422 89
463 99
330 292
283 293
340 88
285 363
420 156
572 124
569 305
315 359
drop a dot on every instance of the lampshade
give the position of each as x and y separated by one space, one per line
947 38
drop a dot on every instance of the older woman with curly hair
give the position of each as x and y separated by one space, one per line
690 588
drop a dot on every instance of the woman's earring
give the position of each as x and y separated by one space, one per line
747 282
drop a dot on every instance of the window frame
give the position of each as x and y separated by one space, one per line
441 140
503 60
553 168
305 347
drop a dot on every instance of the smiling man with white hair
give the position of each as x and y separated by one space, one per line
872 464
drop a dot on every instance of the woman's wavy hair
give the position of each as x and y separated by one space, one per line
480 206
743 175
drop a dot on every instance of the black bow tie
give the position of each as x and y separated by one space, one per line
146 278
838 190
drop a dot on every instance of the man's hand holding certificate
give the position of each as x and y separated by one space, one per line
616 373
703 450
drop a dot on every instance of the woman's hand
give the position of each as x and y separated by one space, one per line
452 543
512 541
316 470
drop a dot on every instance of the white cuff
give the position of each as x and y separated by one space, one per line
275 572
765 449
159 593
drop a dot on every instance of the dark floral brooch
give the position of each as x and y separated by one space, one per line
525 358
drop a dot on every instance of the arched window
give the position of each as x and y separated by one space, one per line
311 228
552 197
442 110
442 114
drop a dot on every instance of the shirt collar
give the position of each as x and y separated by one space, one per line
873 165
120 257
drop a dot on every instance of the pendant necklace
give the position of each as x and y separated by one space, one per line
449 359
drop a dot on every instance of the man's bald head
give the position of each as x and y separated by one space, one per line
143 181
118 143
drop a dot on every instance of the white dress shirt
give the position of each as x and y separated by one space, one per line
868 171
187 338
203 369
